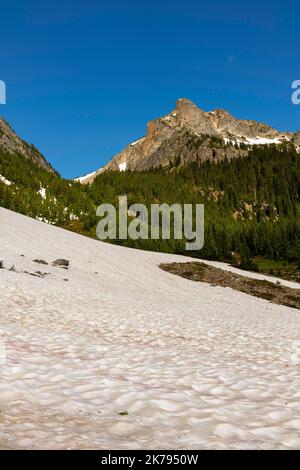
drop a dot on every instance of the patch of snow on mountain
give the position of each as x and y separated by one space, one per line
228 141
137 141
253 141
122 166
5 181
42 192
262 141
81 179
46 221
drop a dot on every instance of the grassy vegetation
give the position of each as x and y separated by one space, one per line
279 268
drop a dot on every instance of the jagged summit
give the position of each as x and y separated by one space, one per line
189 133
185 103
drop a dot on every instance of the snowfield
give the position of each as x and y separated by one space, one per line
116 353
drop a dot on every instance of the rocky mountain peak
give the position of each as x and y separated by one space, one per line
184 104
10 142
189 134
221 113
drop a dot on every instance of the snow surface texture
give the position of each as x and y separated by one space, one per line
194 366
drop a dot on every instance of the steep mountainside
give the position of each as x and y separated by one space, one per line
11 143
190 134
29 188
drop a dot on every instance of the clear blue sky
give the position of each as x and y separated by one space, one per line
84 77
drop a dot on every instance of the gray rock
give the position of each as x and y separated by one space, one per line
189 134
10 142
63 263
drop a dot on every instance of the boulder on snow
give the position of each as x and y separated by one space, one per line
63 263
40 261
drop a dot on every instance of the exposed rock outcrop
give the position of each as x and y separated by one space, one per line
10 142
190 134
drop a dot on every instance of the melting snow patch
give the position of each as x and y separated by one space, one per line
136 141
42 192
46 221
5 181
81 179
122 166
262 141
253 141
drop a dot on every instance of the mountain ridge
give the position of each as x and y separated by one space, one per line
11 143
189 134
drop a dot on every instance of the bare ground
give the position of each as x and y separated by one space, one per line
263 289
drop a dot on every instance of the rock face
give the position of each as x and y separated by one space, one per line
190 134
10 142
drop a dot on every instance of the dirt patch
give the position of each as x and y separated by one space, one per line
201 272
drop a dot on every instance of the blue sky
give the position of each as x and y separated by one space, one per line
84 77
